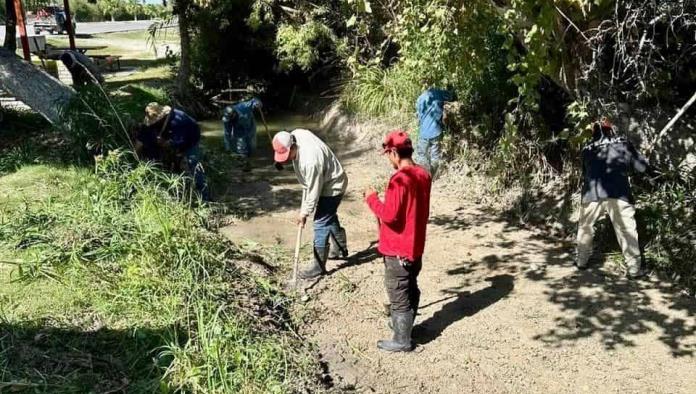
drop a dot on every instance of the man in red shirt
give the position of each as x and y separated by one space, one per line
403 220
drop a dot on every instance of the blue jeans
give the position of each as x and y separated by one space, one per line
428 153
326 222
244 145
195 168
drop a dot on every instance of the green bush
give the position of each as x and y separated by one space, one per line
375 91
667 215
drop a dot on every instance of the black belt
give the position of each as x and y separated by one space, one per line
402 261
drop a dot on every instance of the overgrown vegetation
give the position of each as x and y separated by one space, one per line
135 261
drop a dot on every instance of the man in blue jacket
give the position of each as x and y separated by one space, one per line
240 129
606 162
176 130
430 106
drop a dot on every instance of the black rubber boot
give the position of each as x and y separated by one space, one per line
415 315
246 167
401 342
318 266
338 245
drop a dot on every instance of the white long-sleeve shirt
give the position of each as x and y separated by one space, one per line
317 169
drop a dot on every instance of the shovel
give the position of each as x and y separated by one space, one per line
296 261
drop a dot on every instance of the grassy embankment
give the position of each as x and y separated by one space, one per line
113 278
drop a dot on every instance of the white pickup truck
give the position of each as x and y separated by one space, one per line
51 19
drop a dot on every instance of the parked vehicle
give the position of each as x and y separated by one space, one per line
53 20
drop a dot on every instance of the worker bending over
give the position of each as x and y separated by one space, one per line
240 129
172 129
324 183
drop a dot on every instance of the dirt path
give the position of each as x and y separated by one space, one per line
503 310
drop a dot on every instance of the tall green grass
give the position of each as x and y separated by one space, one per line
377 91
133 252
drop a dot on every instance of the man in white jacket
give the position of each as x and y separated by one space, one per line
324 182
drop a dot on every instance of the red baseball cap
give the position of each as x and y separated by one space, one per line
282 142
397 139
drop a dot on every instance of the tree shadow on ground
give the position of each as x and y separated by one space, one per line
38 358
616 309
365 256
463 219
598 303
465 304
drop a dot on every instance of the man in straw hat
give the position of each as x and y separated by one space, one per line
174 129
324 181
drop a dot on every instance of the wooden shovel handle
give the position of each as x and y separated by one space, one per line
296 260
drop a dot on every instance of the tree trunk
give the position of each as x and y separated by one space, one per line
10 26
184 77
35 88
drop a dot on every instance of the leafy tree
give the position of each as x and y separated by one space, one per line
109 8
134 8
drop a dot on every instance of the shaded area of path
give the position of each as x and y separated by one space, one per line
503 310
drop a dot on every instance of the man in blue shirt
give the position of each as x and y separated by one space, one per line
240 128
176 130
430 106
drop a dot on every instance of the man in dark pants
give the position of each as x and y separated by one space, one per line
403 217
324 183
174 129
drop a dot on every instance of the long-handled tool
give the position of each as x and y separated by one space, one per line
265 125
296 261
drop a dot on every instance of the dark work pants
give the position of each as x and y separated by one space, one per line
401 281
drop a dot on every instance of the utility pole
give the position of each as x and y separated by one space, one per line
21 24
69 23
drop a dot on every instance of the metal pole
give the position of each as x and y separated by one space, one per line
68 22
21 25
